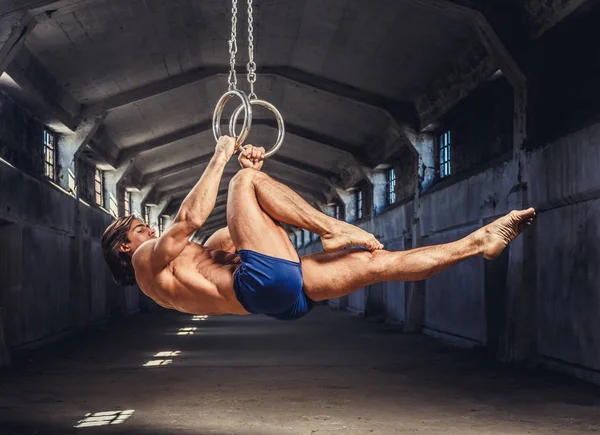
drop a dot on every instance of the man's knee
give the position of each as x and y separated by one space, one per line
243 176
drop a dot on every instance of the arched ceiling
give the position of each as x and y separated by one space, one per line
137 80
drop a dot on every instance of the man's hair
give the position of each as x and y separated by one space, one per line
118 262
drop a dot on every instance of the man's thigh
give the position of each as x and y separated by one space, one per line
329 275
251 228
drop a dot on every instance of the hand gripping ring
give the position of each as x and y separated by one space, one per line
278 117
216 126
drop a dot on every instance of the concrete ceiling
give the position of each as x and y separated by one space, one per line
138 79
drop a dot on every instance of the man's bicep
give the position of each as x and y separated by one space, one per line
171 244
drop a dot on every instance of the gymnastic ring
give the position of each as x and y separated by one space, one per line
278 117
216 126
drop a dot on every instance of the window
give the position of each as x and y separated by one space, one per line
359 204
391 184
49 155
127 203
72 183
445 143
301 239
114 209
161 225
336 211
99 187
293 239
147 215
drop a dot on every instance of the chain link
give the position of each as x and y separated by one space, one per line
232 79
251 65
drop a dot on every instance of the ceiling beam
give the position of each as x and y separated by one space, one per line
481 19
203 126
162 194
155 176
155 88
471 69
46 7
132 151
401 112
329 141
38 85
14 31
295 164
545 15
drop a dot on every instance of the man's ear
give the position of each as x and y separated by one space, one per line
124 248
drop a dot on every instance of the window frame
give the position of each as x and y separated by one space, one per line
147 214
99 182
126 203
359 203
445 154
392 186
50 146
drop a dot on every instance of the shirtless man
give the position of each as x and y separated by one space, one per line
251 266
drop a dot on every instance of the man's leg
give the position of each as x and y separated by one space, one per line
256 203
335 274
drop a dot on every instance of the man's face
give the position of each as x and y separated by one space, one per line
138 233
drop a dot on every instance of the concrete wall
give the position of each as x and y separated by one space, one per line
53 278
554 311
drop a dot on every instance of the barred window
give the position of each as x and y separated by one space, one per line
391 183
445 144
359 204
99 187
49 155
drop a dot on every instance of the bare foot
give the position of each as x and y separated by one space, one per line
349 235
494 237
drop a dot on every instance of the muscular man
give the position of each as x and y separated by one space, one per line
251 266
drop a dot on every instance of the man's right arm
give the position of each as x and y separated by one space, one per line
195 208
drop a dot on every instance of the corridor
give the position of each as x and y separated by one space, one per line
330 373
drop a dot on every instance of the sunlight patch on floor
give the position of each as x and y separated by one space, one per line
105 418
187 331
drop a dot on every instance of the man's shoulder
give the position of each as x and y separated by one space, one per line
143 255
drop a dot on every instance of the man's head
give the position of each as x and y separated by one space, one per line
119 242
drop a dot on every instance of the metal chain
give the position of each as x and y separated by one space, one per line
232 79
251 65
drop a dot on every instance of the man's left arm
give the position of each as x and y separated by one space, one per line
250 157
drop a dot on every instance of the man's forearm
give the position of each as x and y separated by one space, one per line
200 202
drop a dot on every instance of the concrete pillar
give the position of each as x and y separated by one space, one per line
378 179
424 143
111 184
70 146
14 28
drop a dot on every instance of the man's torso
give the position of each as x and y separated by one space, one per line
198 281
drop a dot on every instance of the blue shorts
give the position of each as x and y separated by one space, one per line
271 286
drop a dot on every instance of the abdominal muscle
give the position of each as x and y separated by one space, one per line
198 281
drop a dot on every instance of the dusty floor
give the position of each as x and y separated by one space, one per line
328 373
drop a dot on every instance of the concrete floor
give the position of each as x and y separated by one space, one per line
328 373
